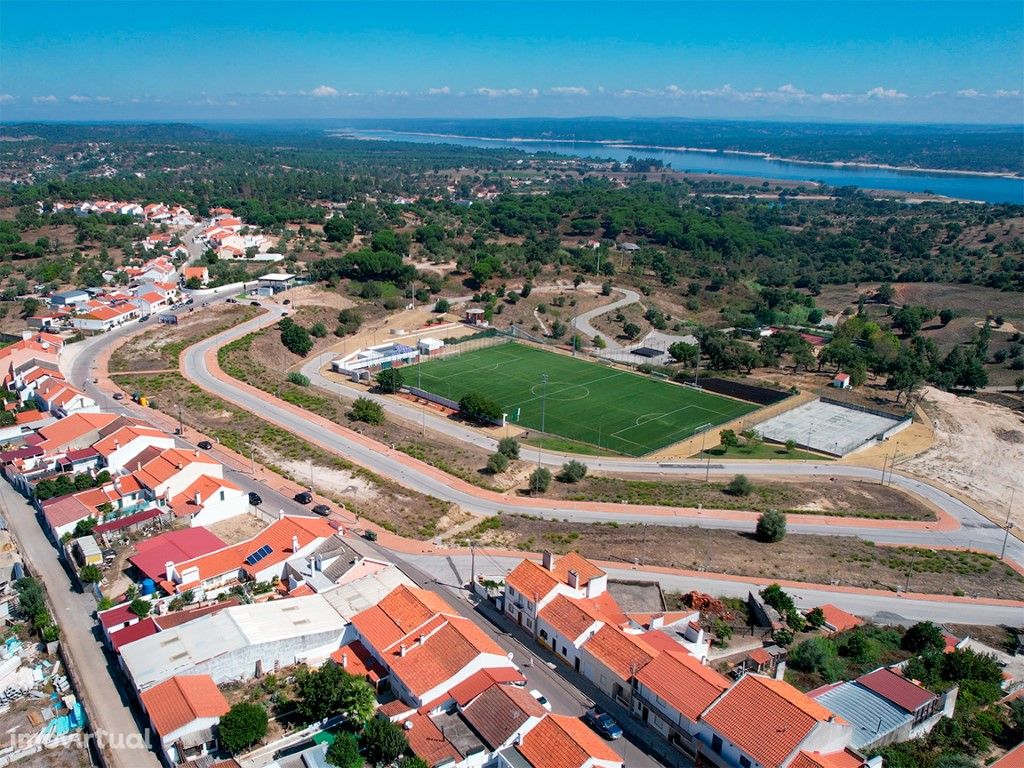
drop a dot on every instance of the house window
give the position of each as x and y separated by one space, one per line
544 634
716 744
745 761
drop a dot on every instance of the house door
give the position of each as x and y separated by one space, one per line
520 618
644 714
576 664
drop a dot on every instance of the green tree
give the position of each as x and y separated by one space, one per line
684 353
540 480
30 306
946 316
296 339
140 607
728 438
90 574
344 752
475 406
923 636
390 380
790 446
84 527
441 306
631 330
318 329
497 463
816 618
383 741
356 698
573 471
740 485
318 692
338 230
242 726
509 446
413 761
817 655
365 409
771 526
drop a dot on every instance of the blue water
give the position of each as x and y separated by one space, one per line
988 189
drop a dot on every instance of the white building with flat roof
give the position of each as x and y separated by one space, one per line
388 355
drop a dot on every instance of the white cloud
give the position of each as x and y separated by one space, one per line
79 99
878 92
444 90
324 91
5 97
44 99
569 90
969 93
495 93
1004 94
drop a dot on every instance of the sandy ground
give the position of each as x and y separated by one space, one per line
979 450
335 481
237 529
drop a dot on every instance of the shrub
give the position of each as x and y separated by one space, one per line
383 741
348 322
782 637
923 636
771 525
298 379
475 406
740 486
441 306
365 409
84 527
817 655
90 574
140 607
728 438
497 463
318 329
573 471
296 339
815 618
540 480
509 446
390 380
243 725
344 752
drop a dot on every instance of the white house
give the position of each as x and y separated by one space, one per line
121 446
209 500
105 318
184 711
529 586
174 470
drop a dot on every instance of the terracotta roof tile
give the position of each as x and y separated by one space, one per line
1012 759
840 759
427 741
686 684
499 712
767 719
356 660
181 700
623 654
570 618
838 618
152 555
534 581
558 741
902 692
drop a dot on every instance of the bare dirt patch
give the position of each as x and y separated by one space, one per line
977 451
836 560
836 496
237 529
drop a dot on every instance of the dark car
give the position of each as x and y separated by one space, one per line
303 497
205 445
603 723
254 303
322 509
287 301
254 499
370 535
118 395
190 300
230 301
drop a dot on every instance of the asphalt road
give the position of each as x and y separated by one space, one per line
104 691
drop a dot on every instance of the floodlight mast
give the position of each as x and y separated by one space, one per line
703 429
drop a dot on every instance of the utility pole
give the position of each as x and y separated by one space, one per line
1006 531
181 427
311 476
543 399
252 458
913 555
472 564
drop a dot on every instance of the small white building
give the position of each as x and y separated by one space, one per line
184 711
275 282
360 363
429 346
841 381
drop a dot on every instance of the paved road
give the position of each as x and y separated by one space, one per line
588 331
107 702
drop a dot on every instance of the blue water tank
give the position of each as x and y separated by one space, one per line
148 587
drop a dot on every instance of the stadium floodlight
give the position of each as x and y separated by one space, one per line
703 429
543 399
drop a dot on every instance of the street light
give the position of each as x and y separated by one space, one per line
1006 532
543 399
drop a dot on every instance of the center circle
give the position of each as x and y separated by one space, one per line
570 393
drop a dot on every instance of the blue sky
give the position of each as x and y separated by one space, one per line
892 61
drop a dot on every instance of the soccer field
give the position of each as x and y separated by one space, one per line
591 403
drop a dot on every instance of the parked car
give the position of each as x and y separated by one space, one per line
303 497
230 300
205 445
119 395
254 499
370 535
540 699
254 303
190 300
322 509
286 302
603 723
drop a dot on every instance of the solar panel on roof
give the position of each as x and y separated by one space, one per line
259 554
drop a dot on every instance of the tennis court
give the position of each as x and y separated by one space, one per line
588 402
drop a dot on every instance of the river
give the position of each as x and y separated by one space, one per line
988 189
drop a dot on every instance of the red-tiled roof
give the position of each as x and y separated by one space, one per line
399 613
207 487
1012 759
558 741
478 682
499 712
181 700
534 581
113 617
356 660
838 618
840 759
686 684
152 555
765 718
760 656
130 634
623 654
570 618
427 741
896 688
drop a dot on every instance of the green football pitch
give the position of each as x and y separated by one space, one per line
588 402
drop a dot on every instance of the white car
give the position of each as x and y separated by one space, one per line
540 699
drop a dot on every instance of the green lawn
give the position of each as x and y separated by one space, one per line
586 402
760 451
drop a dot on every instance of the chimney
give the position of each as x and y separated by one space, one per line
421 640
179 465
295 543
658 621
199 499
402 650
26 335
574 580
117 443
548 560
344 660
138 466
169 569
